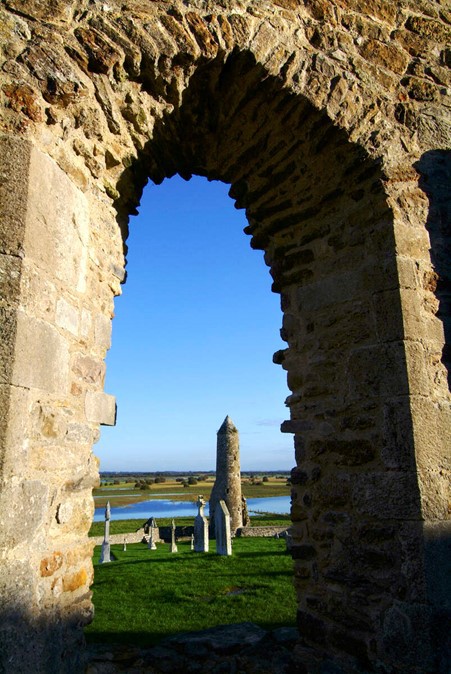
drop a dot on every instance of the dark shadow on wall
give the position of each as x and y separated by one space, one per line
42 645
435 171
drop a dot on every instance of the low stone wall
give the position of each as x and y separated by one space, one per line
185 532
180 532
260 531
133 537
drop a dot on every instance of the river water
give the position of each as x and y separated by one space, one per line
164 508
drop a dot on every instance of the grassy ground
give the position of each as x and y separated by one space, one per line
129 526
125 493
147 595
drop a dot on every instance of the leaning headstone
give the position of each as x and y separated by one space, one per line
222 529
173 547
151 545
200 528
105 554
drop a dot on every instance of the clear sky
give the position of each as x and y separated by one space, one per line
193 338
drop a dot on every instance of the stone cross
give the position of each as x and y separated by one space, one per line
222 529
200 527
105 554
173 545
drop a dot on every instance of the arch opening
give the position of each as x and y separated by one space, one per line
317 207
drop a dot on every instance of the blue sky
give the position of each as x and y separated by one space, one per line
193 338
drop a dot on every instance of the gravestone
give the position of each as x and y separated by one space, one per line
192 541
105 554
125 544
173 547
151 544
200 528
222 529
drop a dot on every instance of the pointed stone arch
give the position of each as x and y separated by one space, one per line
316 114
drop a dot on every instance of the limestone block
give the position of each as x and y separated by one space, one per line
432 431
38 295
100 408
85 323
14 162
397 449
25 515
435 489
79 434
59 460
393 495
41 357
8 322
10 270
67 316
53 11
89 370
74 515
102 331
15 406
57 232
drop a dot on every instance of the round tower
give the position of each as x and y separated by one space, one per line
227 486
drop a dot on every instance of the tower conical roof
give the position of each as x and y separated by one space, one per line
228 426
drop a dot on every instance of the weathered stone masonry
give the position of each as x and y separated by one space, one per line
330 120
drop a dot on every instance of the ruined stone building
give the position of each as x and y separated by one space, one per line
330 120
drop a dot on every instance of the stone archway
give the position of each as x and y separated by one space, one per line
317 115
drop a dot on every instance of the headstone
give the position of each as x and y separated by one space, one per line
222 529
192 541
151 545
105 554
125 544
173 547
200 528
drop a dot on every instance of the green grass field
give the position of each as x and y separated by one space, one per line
147 595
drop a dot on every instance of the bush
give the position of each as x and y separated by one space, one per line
265 479
160 479
192 480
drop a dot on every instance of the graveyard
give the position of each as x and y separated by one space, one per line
146 595
152 582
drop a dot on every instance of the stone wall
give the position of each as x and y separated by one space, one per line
254 532
330 120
